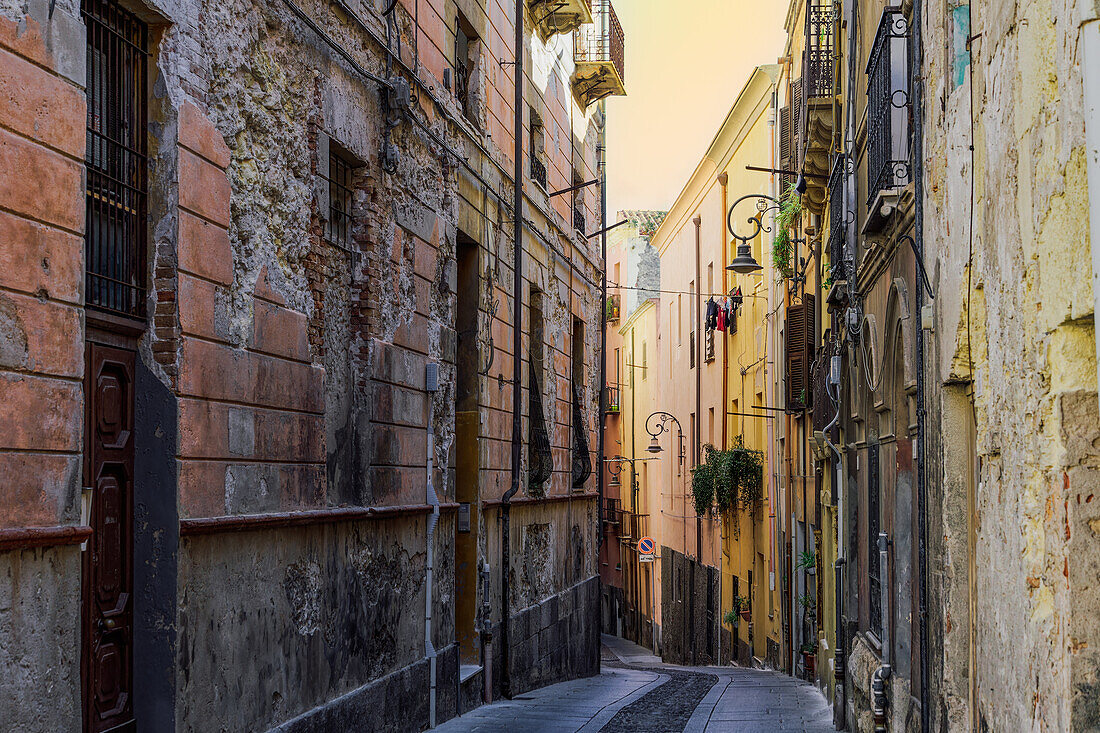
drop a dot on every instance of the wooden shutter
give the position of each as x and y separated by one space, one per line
800 343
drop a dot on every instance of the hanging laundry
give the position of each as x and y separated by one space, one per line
712 315
721 319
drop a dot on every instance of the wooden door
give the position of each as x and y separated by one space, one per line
107 640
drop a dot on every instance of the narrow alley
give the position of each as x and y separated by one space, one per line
636 693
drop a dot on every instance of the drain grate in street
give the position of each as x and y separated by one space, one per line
665 709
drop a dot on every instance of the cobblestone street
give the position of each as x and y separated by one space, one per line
636 693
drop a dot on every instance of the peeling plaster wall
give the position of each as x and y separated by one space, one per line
1021 314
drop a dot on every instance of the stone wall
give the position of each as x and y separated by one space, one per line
281 497
1013 355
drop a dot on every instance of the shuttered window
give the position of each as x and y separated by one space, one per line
800 337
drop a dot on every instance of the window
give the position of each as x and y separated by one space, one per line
115 236
874 578
579 223
338 227
466 44
538 168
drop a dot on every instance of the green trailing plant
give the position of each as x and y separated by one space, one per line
730 618
747 473
790 207
728 478
806 560
702 486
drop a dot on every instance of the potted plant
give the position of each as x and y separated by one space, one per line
744 608
731 618
809 660
807 561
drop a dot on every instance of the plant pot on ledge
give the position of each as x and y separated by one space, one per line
809 663
746 614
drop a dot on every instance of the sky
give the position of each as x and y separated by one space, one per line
686 60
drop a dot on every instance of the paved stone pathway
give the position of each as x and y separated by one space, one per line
636 693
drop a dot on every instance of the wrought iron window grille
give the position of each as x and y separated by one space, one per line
819 62
582 460
874 579
888 104
839 216
540 459
338 226
538 170
116 236
578 219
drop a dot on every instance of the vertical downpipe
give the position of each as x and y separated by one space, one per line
698 326
431 386
517 361
916 62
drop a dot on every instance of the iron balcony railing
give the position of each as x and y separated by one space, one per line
538 171
837 217
612 308
817 78
611 406
888 106
578 220
603 41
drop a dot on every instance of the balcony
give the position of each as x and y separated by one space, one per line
559 16
538 171
598 52
815 96
611 407
612 314
888 166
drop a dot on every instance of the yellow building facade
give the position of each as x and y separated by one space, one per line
717 561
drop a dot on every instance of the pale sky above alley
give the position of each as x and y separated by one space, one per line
686 60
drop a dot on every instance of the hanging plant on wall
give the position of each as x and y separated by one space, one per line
790 206
702 485
747 471
728 478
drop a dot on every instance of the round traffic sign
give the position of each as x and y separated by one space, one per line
646 546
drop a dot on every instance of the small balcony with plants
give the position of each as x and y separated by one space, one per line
611 314
599 56
613 400
559 16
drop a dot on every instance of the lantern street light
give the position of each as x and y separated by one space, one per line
660 425
744 263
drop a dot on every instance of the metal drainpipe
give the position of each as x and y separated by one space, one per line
1090 70
698 221
922 474
723 180
431 386
601 167
517 362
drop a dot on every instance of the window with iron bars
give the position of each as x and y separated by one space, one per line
888 106
874 579
338 228
116 235
837 217
818 74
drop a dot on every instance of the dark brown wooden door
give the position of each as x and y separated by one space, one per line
108 563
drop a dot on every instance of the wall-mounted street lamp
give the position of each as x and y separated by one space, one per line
660 425
744 263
